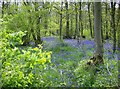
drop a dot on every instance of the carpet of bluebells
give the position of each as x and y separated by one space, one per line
58 63
69 58
85 46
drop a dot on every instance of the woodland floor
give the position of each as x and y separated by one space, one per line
84 45
67 54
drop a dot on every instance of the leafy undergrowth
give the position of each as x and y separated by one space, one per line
22 67
107 76
68 68
65 67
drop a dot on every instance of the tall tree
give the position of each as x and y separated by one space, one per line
38 18
90 23
97 29
61 20
3 5
106 21
113 24
76 17
118 27
67 20
71 19
93 15
80 19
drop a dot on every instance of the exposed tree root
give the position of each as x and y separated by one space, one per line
96 60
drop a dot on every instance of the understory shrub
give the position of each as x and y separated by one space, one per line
22 68
107 76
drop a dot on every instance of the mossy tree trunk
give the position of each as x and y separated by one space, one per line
71 21
118 27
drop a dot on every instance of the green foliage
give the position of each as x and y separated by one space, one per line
107 76
87 33
22 68
13 39
33 67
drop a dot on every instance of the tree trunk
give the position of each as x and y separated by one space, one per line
90 24
118 27
26 38
76 17
67 20
71 20
97 29
2 9
113 24
80 20
38 35
93 17
106 22
39 40
61 21
101 29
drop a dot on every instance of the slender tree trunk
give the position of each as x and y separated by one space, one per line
38 39
113 25
46 24
93 17
97 29
2 9
90 24
26 38
67 20
71 21
61 21
80 20
76 17
106 21
118 27
101 28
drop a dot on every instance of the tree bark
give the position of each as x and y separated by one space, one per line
97 29
90 24
67 20
93 16
101 28
61 21
2 9
113 24
106 21
76 17
71 21
80 20
38 39
118 27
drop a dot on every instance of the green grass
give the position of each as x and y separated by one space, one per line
68 65
68 68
